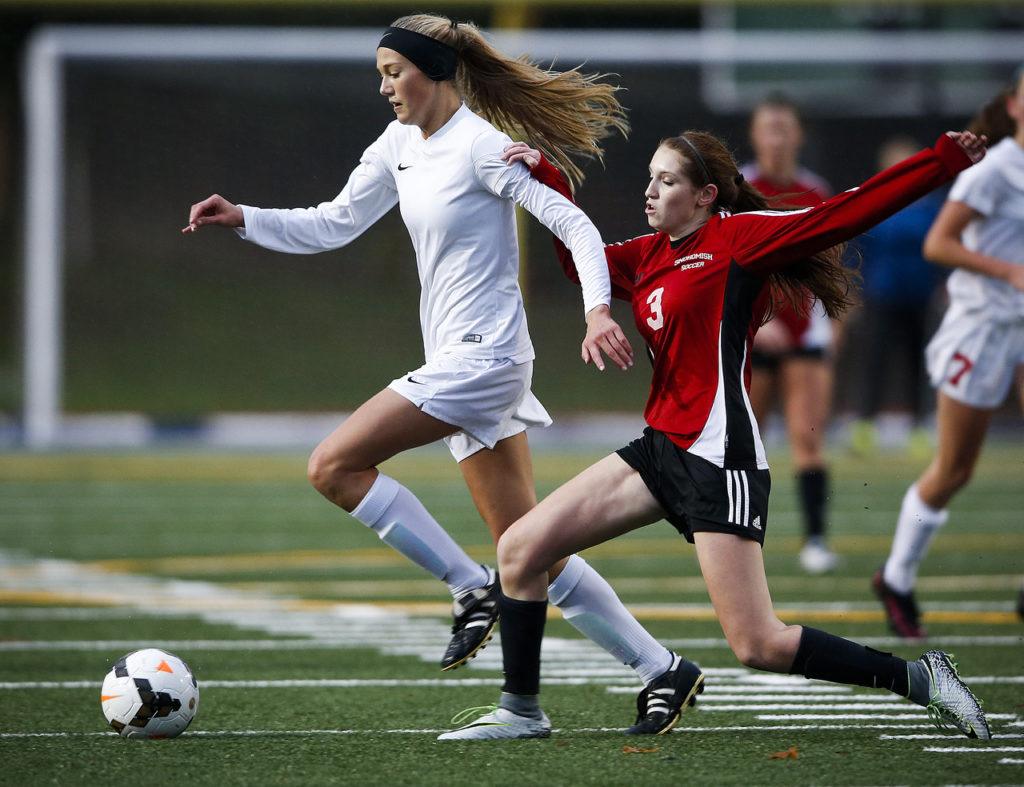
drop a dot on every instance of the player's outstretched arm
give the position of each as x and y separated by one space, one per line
214 210
604 335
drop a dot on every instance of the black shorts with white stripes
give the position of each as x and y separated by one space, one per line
696 495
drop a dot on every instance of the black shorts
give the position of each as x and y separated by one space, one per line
770 362
696 495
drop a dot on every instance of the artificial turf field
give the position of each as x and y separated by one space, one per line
316 647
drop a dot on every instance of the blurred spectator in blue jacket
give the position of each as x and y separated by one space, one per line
898 287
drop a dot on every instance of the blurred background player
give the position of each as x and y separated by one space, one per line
897 291
977 354
441 162
792 351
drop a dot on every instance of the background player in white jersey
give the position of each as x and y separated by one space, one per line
978 351
792 355
441 163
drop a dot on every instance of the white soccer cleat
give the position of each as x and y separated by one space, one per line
816 558
498 724
950 702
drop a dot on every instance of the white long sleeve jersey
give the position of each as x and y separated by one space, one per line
456 197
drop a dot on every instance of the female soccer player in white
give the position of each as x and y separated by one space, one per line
978 350
441 163
700 286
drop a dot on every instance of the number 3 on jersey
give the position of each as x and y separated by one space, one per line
657 319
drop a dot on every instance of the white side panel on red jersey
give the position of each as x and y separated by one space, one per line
759 454
711 443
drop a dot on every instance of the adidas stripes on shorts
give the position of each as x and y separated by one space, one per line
696 495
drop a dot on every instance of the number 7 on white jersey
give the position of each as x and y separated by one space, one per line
657 319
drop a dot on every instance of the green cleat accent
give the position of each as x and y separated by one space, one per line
497 724
950 702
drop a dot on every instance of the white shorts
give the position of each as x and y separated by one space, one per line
487 400
973 358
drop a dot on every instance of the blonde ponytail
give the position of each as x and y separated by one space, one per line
566 114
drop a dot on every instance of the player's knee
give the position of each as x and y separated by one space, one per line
758 650
325 472
518 558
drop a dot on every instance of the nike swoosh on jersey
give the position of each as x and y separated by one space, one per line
403 167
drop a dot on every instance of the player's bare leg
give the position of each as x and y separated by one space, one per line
733 569
961 432
501 483
807 391
343 468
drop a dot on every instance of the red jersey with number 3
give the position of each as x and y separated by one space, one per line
698 301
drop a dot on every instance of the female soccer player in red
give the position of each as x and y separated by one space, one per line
440 161
700 286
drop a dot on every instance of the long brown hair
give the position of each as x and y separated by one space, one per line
823 275
565 114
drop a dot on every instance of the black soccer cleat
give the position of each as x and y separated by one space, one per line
662 701
475 613
1020 604
900 609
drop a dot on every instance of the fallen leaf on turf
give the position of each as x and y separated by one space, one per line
789 754
638 750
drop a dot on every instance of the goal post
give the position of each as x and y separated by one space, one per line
720 54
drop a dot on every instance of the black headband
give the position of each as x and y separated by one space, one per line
434 58
699 159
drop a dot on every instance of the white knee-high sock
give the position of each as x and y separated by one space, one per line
588 602
400 520
915 529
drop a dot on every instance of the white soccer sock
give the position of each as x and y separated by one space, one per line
915 529
588 602
400 520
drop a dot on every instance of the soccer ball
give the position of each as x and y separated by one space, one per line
149 694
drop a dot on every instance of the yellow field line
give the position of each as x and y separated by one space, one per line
627 548
795 613
383 588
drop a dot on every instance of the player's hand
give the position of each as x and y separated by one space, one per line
971 144
604 334
520 151
214 210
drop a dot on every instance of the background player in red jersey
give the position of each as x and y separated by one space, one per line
700 287
792 353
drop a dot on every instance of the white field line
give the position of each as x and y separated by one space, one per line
1010 761
858 716
783 698
936 736
300 733
803 691
871 703
973 750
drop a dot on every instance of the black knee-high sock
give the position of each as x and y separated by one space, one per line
522 630
813 488
828 657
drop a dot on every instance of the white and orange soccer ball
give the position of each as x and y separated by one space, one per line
149 694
